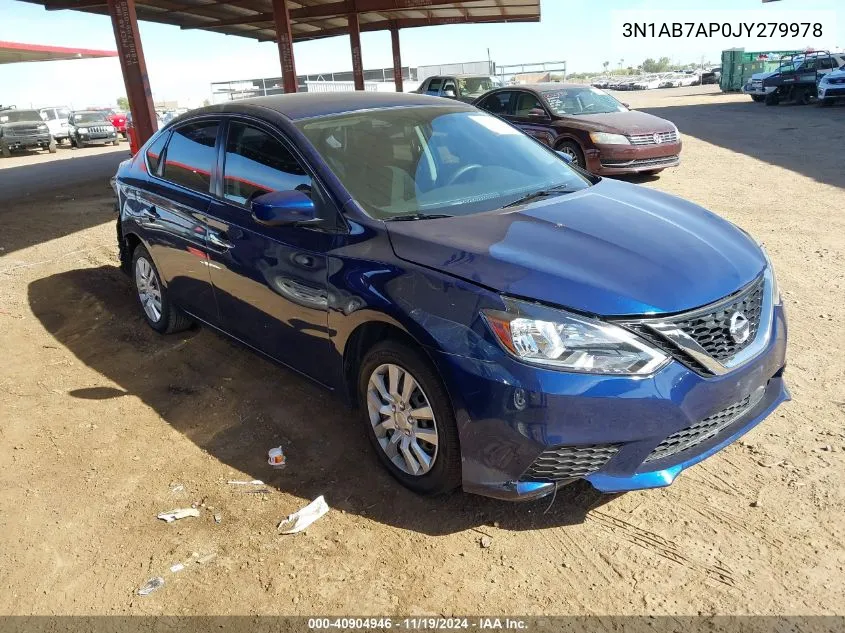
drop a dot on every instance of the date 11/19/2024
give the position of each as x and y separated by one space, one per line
721 29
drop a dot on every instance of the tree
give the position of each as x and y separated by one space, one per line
206 102
123 103
605 64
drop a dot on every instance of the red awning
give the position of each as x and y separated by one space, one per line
13 52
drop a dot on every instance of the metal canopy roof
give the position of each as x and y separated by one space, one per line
13 52
313 19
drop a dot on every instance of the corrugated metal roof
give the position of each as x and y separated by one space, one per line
313 19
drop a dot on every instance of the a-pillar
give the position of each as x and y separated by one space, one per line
355 42
125 23
281 17
397 58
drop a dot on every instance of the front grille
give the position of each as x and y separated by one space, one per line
708 428
649 139
569 462
641 162
711 330
835 92
98 129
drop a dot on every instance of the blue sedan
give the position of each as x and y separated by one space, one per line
503 321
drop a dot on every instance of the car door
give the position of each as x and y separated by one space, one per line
531 116
171 211
270 282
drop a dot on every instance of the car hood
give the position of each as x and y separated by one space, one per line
612 249
22 125
836 74
631 122
762 76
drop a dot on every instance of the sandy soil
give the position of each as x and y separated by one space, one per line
104 424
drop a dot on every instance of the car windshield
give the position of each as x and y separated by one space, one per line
418 161
88 117
20 116
474 86
587 100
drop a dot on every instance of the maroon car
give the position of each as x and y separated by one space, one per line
600 133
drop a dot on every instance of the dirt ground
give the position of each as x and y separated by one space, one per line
104 424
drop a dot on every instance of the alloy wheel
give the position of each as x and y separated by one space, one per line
402 419
566 149
149 289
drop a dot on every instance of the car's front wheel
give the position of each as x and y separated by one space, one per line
409 418
572 150
159 312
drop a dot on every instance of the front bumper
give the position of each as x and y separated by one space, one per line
831 91
757 90
27 142
614 160
509 413
97 139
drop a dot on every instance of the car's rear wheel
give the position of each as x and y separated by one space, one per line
409 418
159 313
757 98
572 150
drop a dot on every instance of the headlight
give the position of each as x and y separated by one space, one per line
111 128
82 130
776 298
557 339
603 138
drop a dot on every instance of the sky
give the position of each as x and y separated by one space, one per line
182 64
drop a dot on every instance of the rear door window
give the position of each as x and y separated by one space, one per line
258 163
498 103
191 156
527 103
434 86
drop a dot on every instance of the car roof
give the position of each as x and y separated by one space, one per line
307 105
546 87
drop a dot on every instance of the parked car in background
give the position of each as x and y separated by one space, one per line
23 130
118 120
464 88
711 76
798 77
131 135
56 119
832 87
91 127
648 82
597 131
502 321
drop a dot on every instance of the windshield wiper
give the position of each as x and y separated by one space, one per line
418 216
542 193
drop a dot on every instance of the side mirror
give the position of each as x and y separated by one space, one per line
537 113
627 105
284 208
566 157
449 93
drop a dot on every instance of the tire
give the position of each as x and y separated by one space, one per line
164 318
115 142
443 472
758 98
5 152
803 96
772 99
572 148
72 142
825 103
52 147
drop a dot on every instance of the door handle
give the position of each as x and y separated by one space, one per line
219 241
